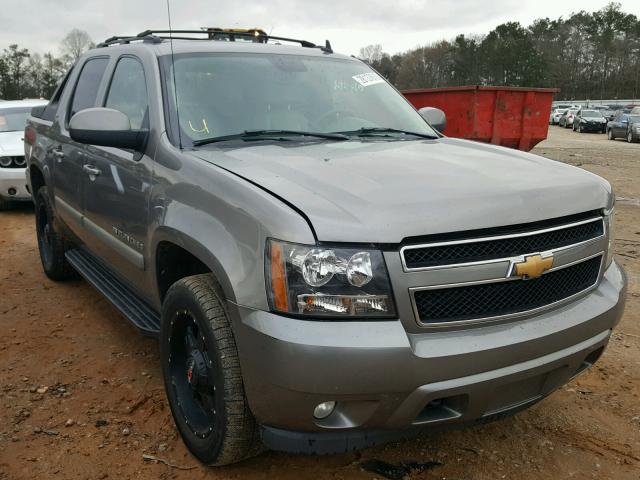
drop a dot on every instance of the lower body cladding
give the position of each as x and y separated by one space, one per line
13 184
388 384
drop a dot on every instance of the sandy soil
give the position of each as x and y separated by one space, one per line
81 394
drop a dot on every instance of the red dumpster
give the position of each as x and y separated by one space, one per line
510 116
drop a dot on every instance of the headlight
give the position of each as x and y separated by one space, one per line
610 218
327 282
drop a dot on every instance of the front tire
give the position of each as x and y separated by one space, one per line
202 377
52 243
630 138
4 204
610 134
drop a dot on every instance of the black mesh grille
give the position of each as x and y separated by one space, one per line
501 248
503 298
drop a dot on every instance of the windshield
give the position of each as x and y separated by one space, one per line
591 114
14 119
227 94
634 118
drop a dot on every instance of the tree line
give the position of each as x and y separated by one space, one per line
587 55
33 75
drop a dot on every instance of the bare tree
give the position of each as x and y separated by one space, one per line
371 53
75 44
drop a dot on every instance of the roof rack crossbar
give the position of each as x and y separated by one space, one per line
123 40
156 36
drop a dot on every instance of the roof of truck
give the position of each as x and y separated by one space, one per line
186 41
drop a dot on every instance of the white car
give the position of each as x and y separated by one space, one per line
556 113
13 119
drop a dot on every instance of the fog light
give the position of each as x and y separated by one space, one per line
323 410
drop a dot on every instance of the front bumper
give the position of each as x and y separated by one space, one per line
386 380
593 128
13 184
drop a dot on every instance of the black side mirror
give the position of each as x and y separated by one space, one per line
434 117
106 127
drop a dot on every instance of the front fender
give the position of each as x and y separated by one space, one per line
197 249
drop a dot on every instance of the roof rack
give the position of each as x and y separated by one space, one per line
257 35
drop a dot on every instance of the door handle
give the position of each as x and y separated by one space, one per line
58 153
91 170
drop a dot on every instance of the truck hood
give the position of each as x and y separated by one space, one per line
383 192
11 143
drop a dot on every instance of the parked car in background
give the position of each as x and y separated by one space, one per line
556 113
624 126
609 114
635 111
566 120
13 119
589 121
565 106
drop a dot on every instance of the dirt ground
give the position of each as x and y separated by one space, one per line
81 394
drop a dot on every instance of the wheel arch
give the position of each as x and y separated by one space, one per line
36 179
177 255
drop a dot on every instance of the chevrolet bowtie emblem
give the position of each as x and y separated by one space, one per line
533 266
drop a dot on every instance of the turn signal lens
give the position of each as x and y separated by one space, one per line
278 278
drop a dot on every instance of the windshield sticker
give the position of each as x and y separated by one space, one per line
368 79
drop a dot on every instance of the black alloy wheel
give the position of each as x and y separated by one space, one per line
191 373
202 376
52 242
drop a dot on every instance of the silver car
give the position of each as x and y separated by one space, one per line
323 268
566 119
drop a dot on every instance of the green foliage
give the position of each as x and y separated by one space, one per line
588 55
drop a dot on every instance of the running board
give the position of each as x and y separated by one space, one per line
129 303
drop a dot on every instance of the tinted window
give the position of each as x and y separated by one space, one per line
50 110
591 114
128 91
87 87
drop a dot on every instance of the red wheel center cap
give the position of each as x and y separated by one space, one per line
190 371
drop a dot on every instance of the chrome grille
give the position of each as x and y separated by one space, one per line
487 300
479 276
454 252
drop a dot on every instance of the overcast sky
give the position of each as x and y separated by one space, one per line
398 25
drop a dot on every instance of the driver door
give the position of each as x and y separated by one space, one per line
117 181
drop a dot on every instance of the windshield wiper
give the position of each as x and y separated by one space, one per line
249 135
380 131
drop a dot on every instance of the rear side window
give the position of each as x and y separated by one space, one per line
88 84
128 91
50 110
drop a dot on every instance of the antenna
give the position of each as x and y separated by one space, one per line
173 70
